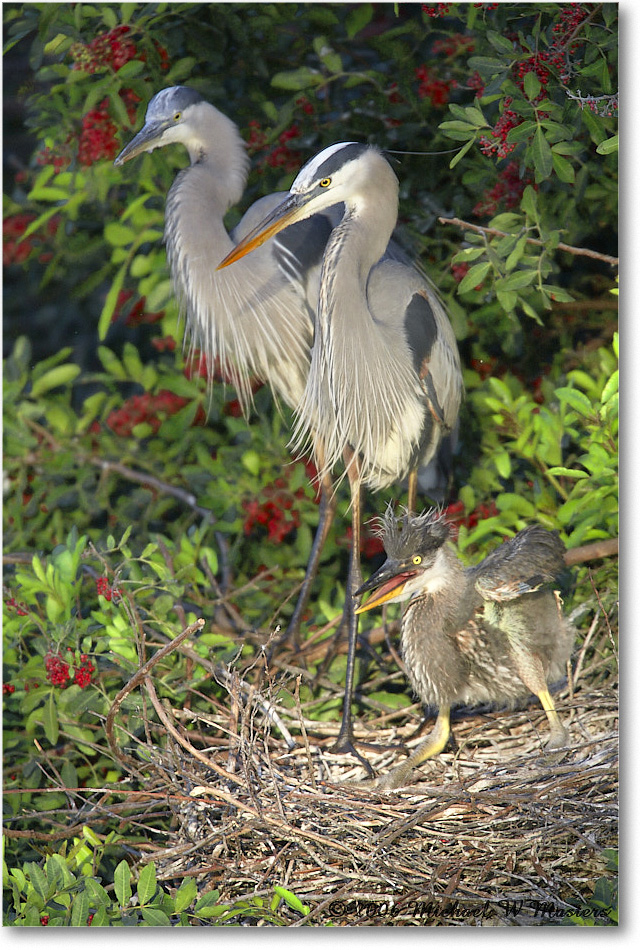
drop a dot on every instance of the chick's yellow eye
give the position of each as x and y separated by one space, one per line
416 559
325 182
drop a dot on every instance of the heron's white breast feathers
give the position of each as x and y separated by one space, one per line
246 316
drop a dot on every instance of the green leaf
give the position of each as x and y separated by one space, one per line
291 900
107 313
146 887
529 203
252 461
119 235
59 376
501 43
186 893
122 886
568 472
576 400
111 363
563 169
502 463
80 910
475 276
517 280
608 145
50 719
297 79
38 879
542 156
359 16
532 85
521 132
460 154
154 917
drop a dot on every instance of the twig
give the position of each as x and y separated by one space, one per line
143 478
609 547
173 731
136 679
494 232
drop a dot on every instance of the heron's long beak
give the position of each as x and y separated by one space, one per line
389 582
293 209
145 141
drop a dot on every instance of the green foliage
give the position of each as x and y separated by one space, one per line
66 892
136 499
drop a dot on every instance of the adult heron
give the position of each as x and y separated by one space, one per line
487 633
385 383
256 320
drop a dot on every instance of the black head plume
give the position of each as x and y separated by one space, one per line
409 534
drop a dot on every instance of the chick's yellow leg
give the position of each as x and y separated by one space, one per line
434 744
559 734
531 673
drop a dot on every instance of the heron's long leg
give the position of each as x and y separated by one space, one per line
345 739
412 490
327 508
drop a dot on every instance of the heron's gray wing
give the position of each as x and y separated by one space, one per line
523 564
299 249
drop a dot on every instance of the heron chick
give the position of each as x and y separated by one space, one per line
492 633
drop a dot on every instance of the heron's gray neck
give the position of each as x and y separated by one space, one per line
219 152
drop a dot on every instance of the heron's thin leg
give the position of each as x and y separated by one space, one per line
345 739
412 490
327 508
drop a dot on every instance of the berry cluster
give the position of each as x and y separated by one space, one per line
164 343
12 604
58 671
455 515
281 156
98 132
430 87
137 315
84 672
454 45
497 142
8 689
477 83
150 409
276 512
104 589
15 249
58 159
305 105
107 51
507 193
440 9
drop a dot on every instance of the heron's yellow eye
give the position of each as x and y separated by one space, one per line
417 559
177 116
325 182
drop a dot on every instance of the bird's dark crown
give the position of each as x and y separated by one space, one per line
175 97
410 534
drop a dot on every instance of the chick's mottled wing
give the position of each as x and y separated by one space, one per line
532 558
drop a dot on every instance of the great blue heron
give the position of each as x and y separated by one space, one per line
385 383
257 319
488 633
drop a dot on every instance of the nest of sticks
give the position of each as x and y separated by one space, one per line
493 832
